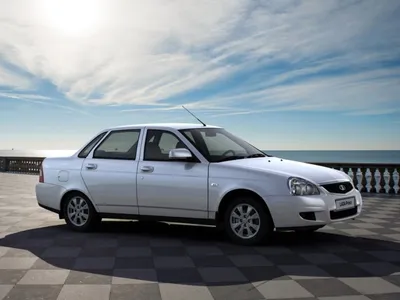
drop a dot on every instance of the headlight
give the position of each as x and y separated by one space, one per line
301 187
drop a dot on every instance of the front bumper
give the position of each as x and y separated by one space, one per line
303 211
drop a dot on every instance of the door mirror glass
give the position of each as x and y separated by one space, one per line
179 154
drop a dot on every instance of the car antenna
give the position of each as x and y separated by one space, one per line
204 124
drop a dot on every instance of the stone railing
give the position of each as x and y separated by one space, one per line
371 178
368 178
23 165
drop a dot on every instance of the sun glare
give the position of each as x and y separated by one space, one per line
72 17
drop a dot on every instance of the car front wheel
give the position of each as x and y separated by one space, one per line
79 213
247 222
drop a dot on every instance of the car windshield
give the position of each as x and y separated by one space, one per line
217 144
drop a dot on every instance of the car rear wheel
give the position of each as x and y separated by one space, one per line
247 222
79 213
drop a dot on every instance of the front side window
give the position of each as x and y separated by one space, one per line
119 145
217 144
159 143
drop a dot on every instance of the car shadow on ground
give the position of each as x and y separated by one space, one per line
118 245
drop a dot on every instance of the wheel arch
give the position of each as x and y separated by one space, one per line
240 192
68 194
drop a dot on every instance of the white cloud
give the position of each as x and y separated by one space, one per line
42 100
145 52
13 80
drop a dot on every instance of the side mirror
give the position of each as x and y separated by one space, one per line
180 154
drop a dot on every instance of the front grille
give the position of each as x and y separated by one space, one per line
338 188
343 213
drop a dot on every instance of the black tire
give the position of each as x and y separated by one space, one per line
93 219
266 224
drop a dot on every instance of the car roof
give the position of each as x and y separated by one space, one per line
164 125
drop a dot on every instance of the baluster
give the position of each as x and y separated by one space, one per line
355 179
398 180
391 181
346 170
382 182
363 180
373 180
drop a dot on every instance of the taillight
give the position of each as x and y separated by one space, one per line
41 177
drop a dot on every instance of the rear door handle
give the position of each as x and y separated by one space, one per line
148 169
91 166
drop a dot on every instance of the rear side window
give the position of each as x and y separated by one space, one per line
119 145
85 152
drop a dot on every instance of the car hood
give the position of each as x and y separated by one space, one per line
311 172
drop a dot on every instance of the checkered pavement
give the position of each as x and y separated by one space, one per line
41 259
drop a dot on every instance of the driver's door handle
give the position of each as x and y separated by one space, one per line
147 169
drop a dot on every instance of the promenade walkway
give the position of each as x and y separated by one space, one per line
41 259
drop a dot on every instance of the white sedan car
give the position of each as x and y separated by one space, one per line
191 173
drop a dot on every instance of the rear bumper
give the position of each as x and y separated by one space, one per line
49 196
305 211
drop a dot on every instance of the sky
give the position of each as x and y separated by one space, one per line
284 75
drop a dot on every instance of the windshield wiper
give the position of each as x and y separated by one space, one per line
255 155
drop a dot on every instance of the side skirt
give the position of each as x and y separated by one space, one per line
157 218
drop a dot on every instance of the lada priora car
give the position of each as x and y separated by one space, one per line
191 173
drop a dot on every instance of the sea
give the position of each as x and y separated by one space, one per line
315 156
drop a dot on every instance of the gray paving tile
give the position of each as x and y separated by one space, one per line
390 256
291 266
233 292
371 285
89 277
221 274
170 291
134 252
32 252
134 263
11 276
100 263
54 263
252 260
14 263
134 276
34 292
379 268
304 272
4 289
184 275
327 287
212 261
280 289
357 297
323 258
43 277
391 296
139 291
87 292
61 252
203 250
254 274
173 262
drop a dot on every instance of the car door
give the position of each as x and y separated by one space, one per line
167 187
110 170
